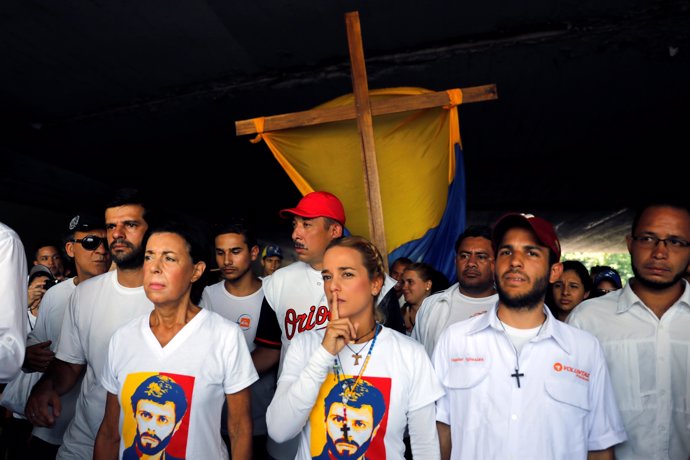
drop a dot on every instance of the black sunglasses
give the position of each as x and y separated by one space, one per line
91 242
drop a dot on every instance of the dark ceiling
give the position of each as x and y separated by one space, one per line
100 94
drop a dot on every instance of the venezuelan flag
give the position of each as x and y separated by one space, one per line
421 179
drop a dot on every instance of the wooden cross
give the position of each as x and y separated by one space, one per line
357 357
362 111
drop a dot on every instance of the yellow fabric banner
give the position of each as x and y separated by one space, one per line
415 156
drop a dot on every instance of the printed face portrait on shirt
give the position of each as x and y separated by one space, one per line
474 262
522 269
156 414
233 256
655 263
351 428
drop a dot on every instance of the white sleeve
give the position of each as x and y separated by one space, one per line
442 405
13 318
605 423
298 387
40 331
109 374
426 387
206 299
240 372
423 435
69 347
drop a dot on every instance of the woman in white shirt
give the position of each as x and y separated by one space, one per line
351 388
168 372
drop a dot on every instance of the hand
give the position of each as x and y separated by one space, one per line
43 405
38 357
35 295
339 331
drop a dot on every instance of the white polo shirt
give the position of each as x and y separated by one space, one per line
649 361
440 310
564 407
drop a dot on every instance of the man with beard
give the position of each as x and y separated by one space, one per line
473 294
518 382
351 428
645 331
159 405
238 297
98 307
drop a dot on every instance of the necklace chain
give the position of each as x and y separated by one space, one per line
349 390
517 355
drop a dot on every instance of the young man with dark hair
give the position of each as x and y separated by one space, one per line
517 381
98 307
238 297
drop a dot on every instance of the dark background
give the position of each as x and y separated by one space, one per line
592 112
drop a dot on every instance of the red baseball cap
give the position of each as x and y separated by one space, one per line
317 204
542 228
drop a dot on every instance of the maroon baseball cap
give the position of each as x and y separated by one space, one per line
317 204
545 232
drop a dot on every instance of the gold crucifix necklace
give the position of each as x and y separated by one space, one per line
357 355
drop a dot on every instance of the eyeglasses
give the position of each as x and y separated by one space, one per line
91 242
649 241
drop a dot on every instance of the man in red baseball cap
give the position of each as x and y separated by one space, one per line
294 298
547 379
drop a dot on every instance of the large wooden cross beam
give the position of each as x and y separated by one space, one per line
363 111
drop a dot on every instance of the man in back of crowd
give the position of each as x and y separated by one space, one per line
397 269
473 294
98 307
271 259
644 329
48 254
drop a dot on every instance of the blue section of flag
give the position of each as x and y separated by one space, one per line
437 246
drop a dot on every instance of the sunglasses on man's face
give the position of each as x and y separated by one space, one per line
91 242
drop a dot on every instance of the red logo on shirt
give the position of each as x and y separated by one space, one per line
468 359
245 322
295 323
579 373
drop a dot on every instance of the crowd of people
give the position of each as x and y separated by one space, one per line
145 336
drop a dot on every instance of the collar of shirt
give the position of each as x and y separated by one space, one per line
553 329
627 298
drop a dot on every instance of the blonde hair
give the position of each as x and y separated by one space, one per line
371 259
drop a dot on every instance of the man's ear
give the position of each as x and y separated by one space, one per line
336 230
556 272
199 268
254 253
69 249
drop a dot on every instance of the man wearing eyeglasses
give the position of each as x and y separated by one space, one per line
97 308
644 329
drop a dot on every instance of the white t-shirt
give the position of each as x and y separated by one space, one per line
13 320
51 314
245 312
444 308
297 296
649 361
399 378
563 408
207 359
97 308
